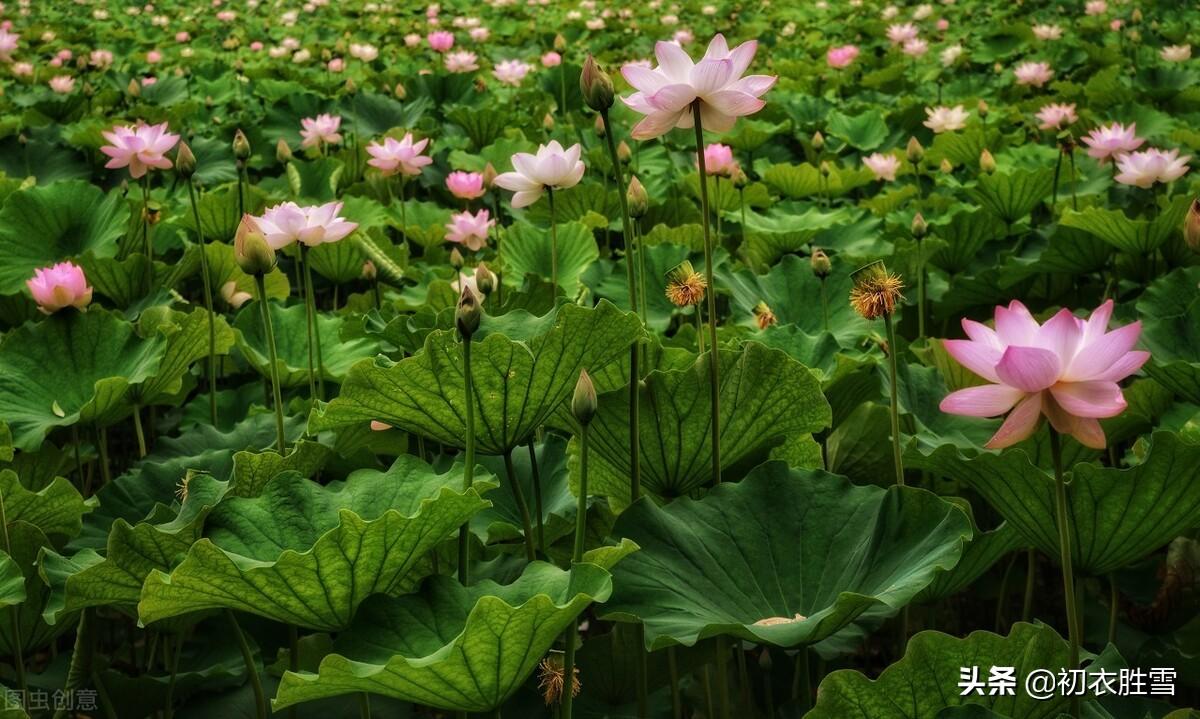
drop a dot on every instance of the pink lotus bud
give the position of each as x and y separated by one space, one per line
62 285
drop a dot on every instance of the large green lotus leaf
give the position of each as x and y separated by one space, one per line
1133 236
187 337
26 542
526 250
306 554
57 510
223 269
341 261
801 181
923 683
783 231
72 367
785 557
983 551
291 342
793 293
1013 195
1170 307
1118 516
519 379
12 581
864 132
40 226
766 397
965 235
452 647
90 579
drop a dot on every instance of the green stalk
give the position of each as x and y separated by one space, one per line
273 357
137 430
146 243
105 469
169 709
714 370
522 505
553 241
206 279
824 306
635 456
260 702
464 532
1030 574
576 556
676 699
364 705
537 497
641 254
14 611
1113 597
895 394
1064 546
316 382
723 675
920 291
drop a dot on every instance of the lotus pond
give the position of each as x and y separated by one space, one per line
754 359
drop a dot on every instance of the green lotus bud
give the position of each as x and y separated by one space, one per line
983 109
914 151
818 141
624 154
596 85
456 259
399 91
987 163
241 146
468 313
821 265
1191 227
251 250
485 279
283 152
185 161
738 177
637 198
919 228
583 402
489 175
134 88
946 167
560 42
599 126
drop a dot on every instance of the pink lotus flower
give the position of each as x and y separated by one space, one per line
1033 73
916 47
412 40
9 41
883 166
320 130
286 223
1176 53
511 72
154 56
100 59
138 148
365 52
256 46
1095 7
902 33
1056 116
665 94
479 34
552 167
1066 369
402 156
551 59
465 185
22 69
1143 169
183 36
461 62
839 57
718 159
62 84
440 40
946 119
469 230
59 286
1107 141
337 64
1047 32
943 24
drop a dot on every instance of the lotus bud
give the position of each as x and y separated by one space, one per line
251 250
987 163
456 259
185 161
241 146
283 152
399 91
548 122
637 198
919 228
467 314
983 109
596 85
764 660
624 154
560 42
1136 16
821 264
826 168
351 87
738 177
134 88
945 166
583 402
1191 227
369 271
875 291
599 126
489 175
818 141
485 279
914 151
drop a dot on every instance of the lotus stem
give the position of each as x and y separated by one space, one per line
464 532
364 705
137 430
1064 547
206 280
1113 598
673 670
14 611
742 212
260 702
403 210
641 254
522 505
316 378
105 470
553 241
717 203
169 703
273 358
920 290
1057 172
802 683
576 557
147 244
1030 574
897 459
714 369
537 497
824 306
241 187
723 676
81 656
1074 193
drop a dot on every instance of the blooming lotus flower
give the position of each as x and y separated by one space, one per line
59 286
551 168
364 52
22 69
1176 53
1033 73
337 64
839 57
1108 141
665 94
1095 7
551 59
882 166
902 33
718 159
469 230
461 62
480 34
183 36
943 24
465 185
1056 116
288 222
946 119
1066 369
1145 168
1115 25
1047 32
100 59
401 156
62 84
412 40
138 148
922 11
9 41
950 55
319 130
441 40
511 72
915 47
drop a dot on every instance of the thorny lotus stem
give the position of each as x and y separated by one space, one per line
147 244
553 240
576 556
364 705
1064 548
169 702
714 369
260 702
14 610
824 307
1057 172
635 457
273 358
137 430
537 496
1030 575
920 291
316 372
722 671
206 280
895 397
676 699
464 532
522 505
1113 598
241 188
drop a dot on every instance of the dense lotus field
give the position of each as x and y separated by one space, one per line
755 359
